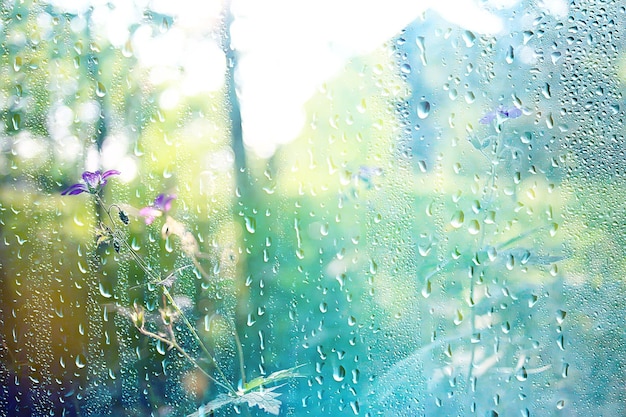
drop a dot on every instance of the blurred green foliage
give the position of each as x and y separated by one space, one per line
462 269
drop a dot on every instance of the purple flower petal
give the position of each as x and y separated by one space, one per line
501 113
150 213
488 118
513 113
93 182
92 179
164 202
75 189
110 172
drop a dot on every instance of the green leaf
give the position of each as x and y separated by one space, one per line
273 378
265 399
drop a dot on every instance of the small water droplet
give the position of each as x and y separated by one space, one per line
423 109
474 227
405 68
101 90
555 56
354 405
250 224
127 50
427 290
165 25
560 404
373 267
521 374
17 63
16 120
469 38
510 55
339 373
458 319
161 347
104 291
560 316
80 361
458 219
545 90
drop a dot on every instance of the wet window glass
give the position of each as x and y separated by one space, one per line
323 208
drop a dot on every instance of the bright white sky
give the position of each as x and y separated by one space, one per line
287 48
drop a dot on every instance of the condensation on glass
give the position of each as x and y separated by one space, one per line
329 209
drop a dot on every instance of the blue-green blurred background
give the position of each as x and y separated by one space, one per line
355 217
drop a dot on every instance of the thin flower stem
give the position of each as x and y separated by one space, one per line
242 368
155 279
175 345
194 333
489 194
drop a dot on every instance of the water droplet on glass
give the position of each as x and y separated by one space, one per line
16 120
17 63
521 374
474 227
561 342
339 373
161 347
165 25
405 68
127 50
560 316
458 319
458 219
101 91
555 56
427 290
80 361
104 291
469 38
510 55
560 404
423 109
250 224
545 90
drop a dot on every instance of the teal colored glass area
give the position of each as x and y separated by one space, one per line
223 208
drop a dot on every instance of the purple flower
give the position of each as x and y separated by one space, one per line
162 204
501 113
92 182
